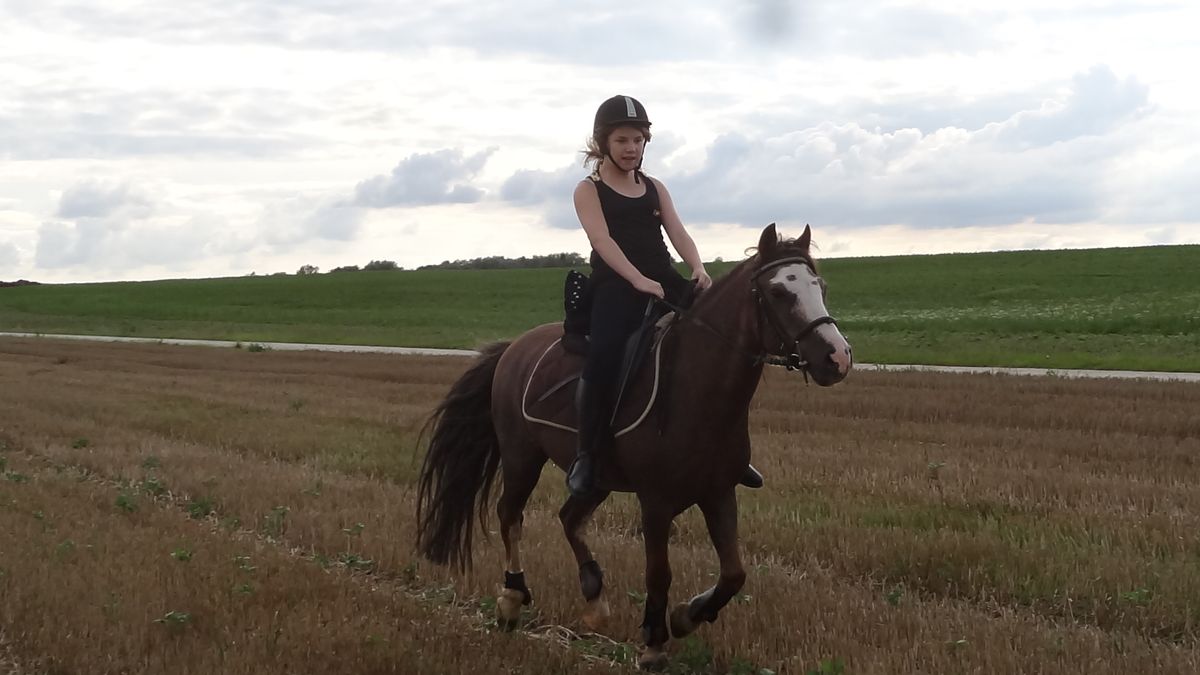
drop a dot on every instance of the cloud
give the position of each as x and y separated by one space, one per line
825 27
100 245
306 220
64 118
549 190
9 255
584 32
1046 165
423 179
96 199
1098 103
1050 163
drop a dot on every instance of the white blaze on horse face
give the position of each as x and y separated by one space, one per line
809 305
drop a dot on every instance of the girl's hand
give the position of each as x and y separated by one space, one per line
702 279
649 287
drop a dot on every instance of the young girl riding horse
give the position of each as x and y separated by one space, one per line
624 211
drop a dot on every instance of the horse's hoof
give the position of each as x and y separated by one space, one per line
652 658
508 608
681 621
596 614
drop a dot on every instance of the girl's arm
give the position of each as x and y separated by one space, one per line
591 216
680 239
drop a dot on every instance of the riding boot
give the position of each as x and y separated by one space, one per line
751 478
593 418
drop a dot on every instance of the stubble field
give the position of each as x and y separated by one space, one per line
168 509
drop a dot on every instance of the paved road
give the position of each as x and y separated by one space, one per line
296 346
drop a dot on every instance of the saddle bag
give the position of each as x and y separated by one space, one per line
577 309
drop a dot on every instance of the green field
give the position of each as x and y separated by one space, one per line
1132 308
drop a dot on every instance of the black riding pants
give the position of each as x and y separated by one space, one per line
617 311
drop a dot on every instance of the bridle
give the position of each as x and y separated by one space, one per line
789 354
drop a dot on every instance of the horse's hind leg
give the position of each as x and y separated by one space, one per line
574 516
520 478
720 514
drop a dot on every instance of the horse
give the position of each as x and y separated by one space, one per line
768 309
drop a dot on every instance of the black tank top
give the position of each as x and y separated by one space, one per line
635 224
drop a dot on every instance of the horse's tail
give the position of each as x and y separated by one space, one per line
460 465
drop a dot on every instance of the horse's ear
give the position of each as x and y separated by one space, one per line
768 240
805 238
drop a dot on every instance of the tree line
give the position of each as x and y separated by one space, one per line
495 262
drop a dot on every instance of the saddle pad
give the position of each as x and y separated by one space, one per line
549 396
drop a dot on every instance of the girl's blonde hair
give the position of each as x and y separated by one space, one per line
594 148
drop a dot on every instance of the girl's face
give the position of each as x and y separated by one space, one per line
626 145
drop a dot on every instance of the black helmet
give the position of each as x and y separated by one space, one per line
621 110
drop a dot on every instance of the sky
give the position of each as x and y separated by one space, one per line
148 140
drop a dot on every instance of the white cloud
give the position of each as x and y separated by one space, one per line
9 256
104 246
440 177
302 220
1049 165
96 199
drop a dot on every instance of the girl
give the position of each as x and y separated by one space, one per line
623 211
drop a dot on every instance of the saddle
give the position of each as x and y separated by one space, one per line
549 396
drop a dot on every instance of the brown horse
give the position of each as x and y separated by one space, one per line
692 451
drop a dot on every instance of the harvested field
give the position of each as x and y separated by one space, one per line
191 510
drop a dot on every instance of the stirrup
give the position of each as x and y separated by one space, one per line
581 476
751 478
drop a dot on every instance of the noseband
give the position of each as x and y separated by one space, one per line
789 354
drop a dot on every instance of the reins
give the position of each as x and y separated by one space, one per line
790 357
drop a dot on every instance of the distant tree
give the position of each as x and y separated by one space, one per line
345 268
376 265
497 262
279 274
307 269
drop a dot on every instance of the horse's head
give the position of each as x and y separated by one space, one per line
791 302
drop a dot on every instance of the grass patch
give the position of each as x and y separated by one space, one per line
1131 308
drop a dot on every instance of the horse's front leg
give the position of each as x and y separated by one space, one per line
720 514
656 530
575 514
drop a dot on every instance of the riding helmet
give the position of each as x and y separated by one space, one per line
620 110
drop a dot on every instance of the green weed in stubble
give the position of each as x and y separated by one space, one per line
695 656
603 648
744 666
174 620
1139 596
153 487
64 549
80 443
126 502
274 523
355 562
201 507
181 554
834 666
